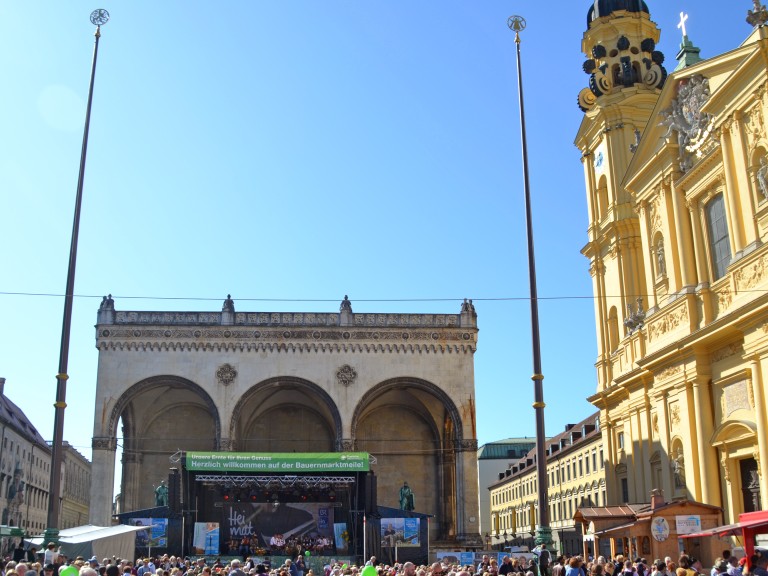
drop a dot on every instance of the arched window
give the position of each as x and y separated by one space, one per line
659 255
719 242
602 197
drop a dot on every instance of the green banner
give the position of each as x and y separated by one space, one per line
278 462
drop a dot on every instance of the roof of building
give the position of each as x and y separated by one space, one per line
584 430
14 417
500 449
602 8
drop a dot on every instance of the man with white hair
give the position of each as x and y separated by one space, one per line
86 570
236 571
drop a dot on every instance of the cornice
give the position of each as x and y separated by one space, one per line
340 340
287 332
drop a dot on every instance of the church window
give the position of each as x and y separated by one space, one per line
620 440
624 490
719 241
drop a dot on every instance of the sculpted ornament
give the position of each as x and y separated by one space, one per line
346 375
226 374
675 415
685 117
762 177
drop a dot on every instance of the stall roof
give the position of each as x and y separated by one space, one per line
89 532
621 527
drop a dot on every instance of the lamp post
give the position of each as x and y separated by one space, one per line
543 531
98 18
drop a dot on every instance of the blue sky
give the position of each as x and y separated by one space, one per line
304 150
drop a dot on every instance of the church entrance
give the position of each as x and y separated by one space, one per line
750 484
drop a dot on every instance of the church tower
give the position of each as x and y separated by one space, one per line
625 79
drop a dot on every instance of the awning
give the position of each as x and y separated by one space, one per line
620 527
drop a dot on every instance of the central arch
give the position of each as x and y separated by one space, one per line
285 414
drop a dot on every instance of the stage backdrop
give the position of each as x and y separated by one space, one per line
261 521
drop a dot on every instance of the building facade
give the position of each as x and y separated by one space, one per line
398 386
493 458
75 488
675 172
576 477
25 468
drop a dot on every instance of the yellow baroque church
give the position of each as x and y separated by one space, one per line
676 173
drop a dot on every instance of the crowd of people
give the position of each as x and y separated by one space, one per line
56 564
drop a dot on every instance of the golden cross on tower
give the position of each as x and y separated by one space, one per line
683 18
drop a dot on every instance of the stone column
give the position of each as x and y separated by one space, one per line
102 480
699 248
707 454
467 500
732 212
131 481
758 394
683 238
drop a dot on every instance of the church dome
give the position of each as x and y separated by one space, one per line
602 8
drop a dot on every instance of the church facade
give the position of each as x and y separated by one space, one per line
397 386
675 172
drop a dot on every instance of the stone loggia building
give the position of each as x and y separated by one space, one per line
398 386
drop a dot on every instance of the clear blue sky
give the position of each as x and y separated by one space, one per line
304 150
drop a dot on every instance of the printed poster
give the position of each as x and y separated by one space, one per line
400 532
206 538
155 537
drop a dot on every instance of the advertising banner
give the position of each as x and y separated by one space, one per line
156 536
206 538
688 524
341 536
400 532
277 462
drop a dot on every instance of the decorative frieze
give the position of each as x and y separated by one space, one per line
668 322
669 372
736 396
727 351
288 319
752 275
104 443
466 445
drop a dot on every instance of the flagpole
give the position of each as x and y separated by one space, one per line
98 18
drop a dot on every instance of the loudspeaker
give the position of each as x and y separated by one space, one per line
174 491
371 495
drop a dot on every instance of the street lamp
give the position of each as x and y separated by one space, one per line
543 531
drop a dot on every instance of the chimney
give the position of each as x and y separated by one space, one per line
2 386
657 498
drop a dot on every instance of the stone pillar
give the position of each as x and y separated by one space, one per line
732 212
131 481
707 454
758 393
699 248
467 499
683 238
102 480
